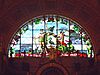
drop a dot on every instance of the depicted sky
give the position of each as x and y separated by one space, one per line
27 36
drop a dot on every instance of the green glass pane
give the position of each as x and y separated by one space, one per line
76 29
37 21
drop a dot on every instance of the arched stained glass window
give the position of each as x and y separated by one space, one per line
48 36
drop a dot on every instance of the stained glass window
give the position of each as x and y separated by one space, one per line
49 36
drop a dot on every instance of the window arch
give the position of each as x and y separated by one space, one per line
50 36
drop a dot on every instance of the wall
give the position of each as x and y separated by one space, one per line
69 65
14 13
